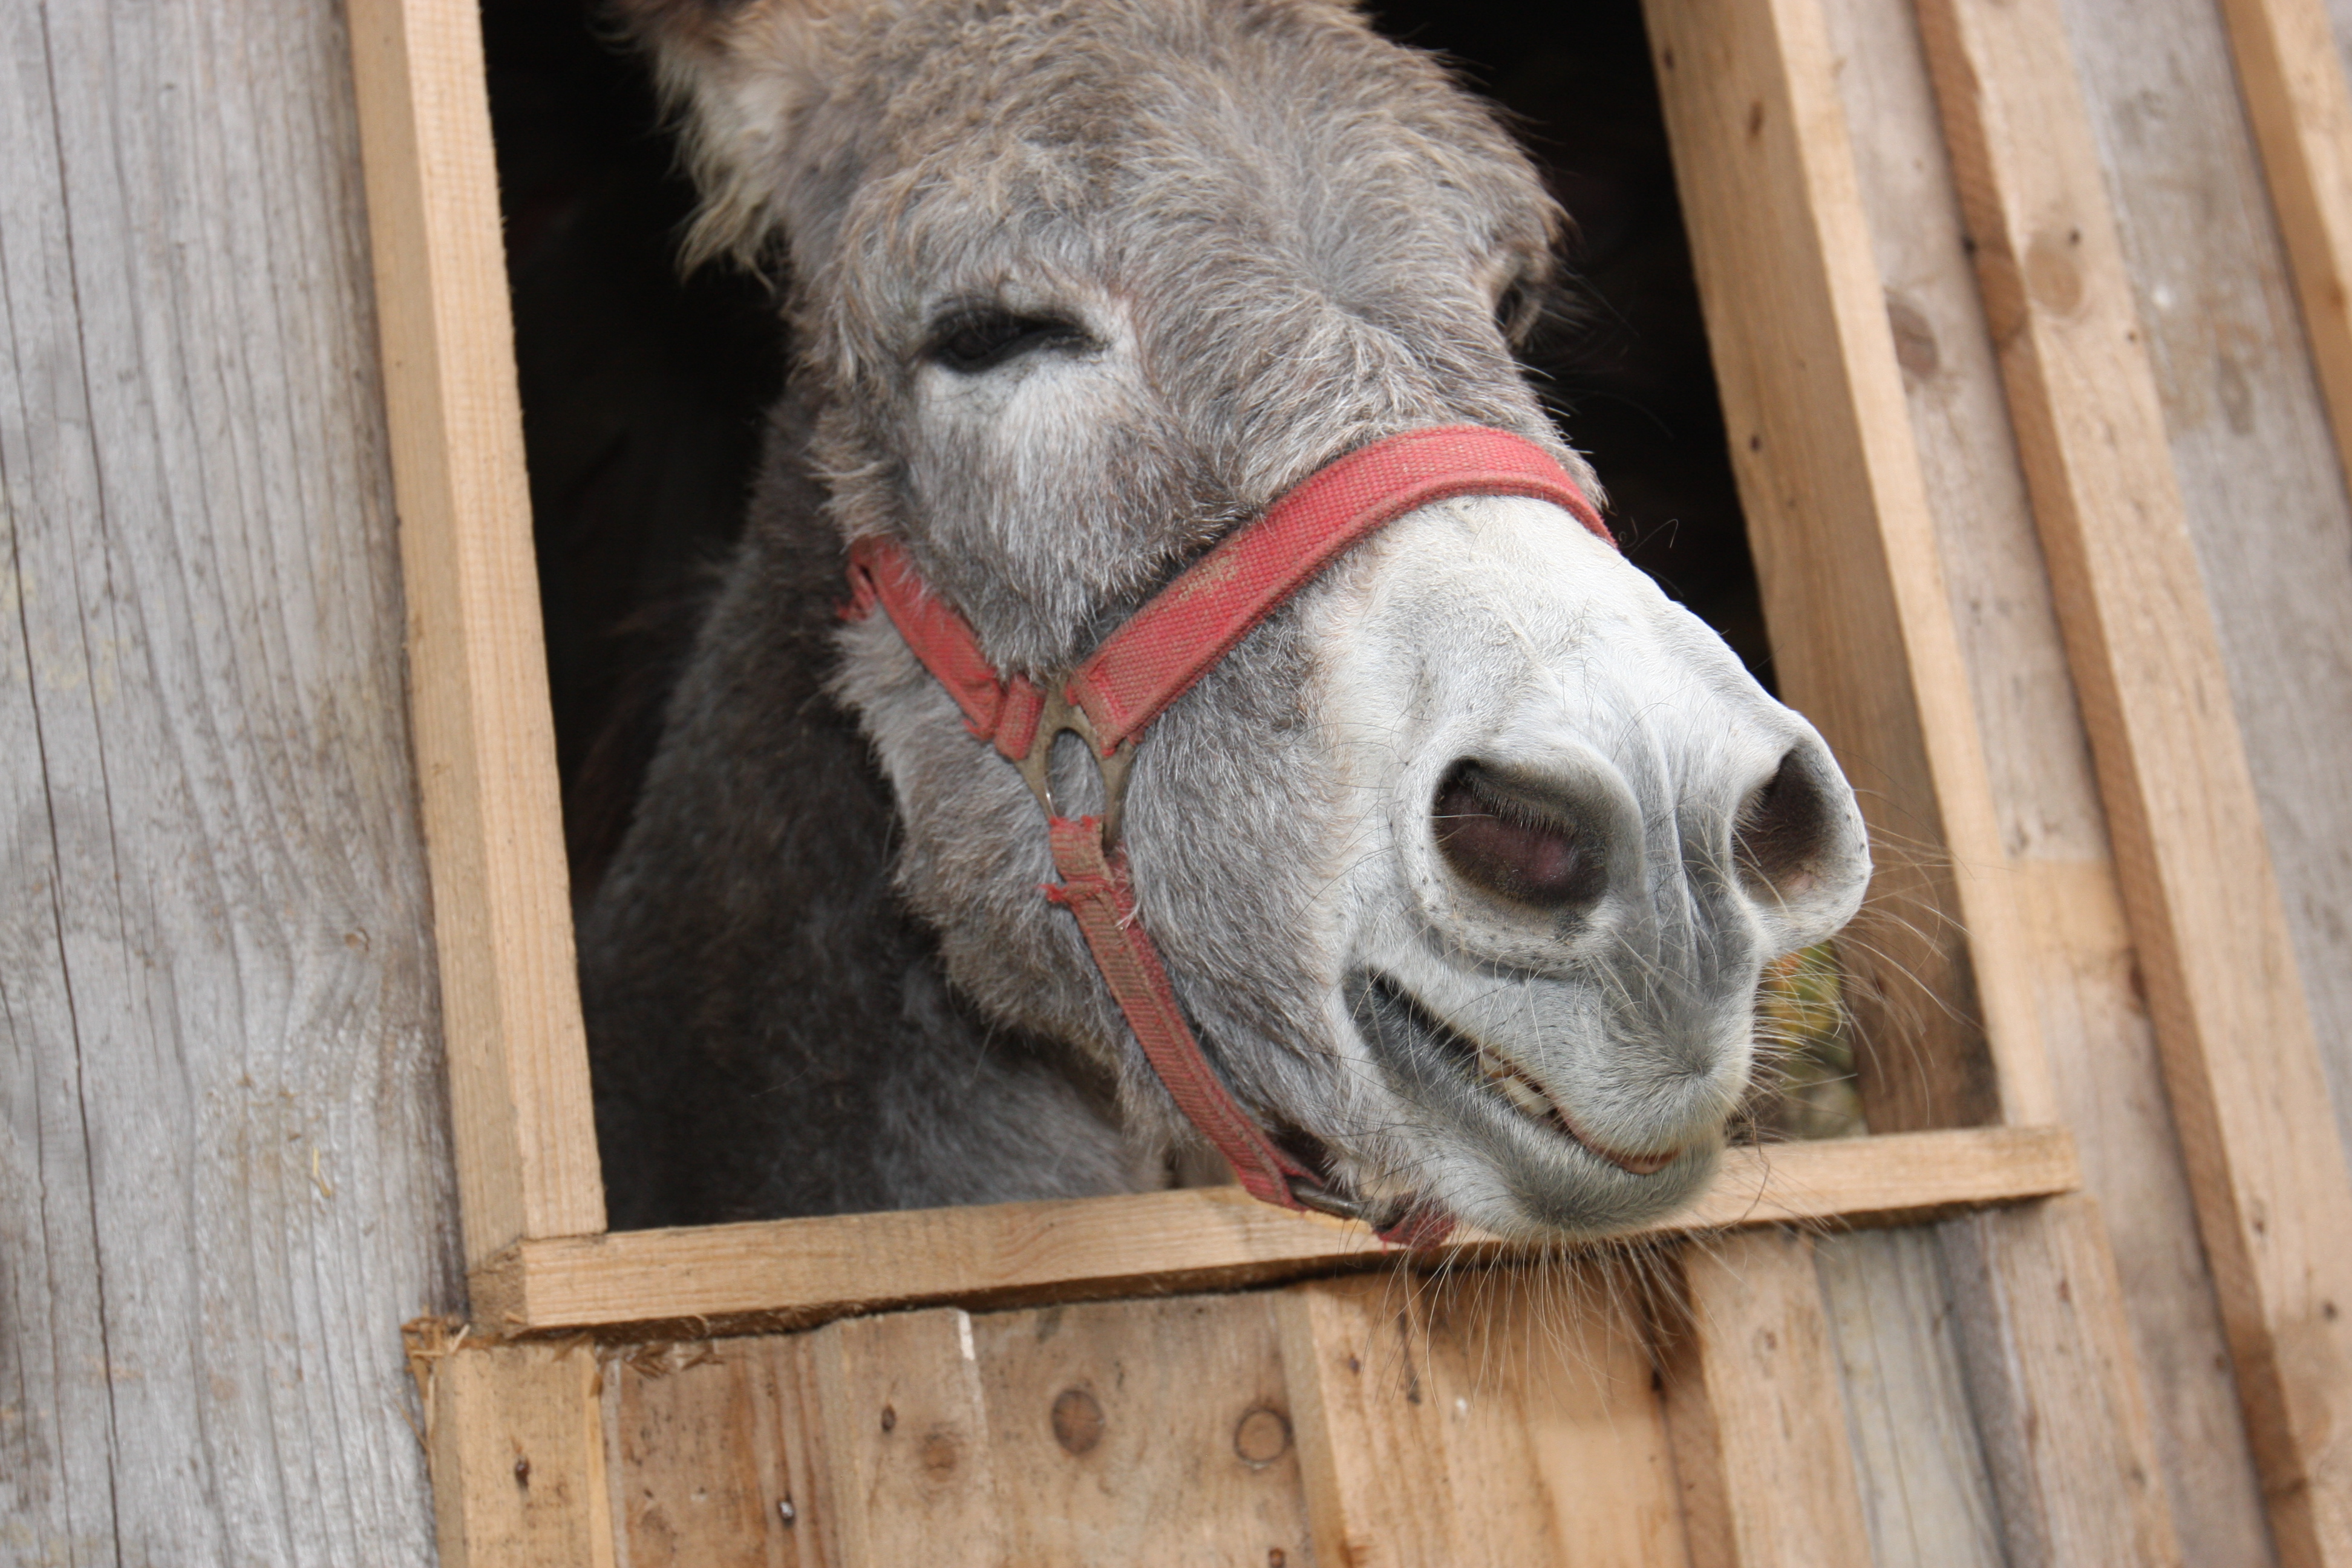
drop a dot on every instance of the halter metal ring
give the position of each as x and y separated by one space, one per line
1315 1195
1061 715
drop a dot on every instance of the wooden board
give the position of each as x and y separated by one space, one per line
1863 636
900 1424
1372 1432
1499 1414
1926 1498
2057 1397
2301 107
784 1272
1144 1431
224 1166
2246 1081
1503 1416
1484 1416
1555 1432
1760 1447
709 1463
2260 476
517 1444
2101 1048
485 735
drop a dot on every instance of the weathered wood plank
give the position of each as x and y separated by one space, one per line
1863 636
2095 1029
1920 1468
901 1420
700 1443
1371 1438
2301 107
2112 1082
2243 1063
2057 1392
1759 1434
1143 1432
788 1272
525 1128
224 1175
517 1437
2249 432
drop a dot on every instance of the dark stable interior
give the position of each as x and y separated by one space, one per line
642 389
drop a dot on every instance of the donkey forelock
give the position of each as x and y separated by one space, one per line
1467 863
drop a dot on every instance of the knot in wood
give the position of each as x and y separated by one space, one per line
1261 1437
1077 1421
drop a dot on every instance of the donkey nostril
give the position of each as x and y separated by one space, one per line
1516 843
1784 827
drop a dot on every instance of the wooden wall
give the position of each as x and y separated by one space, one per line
2268 510
223 1178
223 1169
2101 1046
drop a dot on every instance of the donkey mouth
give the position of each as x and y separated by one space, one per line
1382 1005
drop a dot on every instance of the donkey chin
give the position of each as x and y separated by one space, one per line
1578 830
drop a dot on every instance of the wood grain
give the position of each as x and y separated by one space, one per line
903 1429
703 1448
1143 1431
2057 1394
485 736
1555 1432
2095 996
517 1444
1371 1432
780 1273
1501 1416
2100 1047
2301 107
2247 1084
2259 473
1863 636
1760 1441
224 1172
1919 1467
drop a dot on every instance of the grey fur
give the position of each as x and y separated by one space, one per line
1282 237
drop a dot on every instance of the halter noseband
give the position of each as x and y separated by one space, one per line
1149 662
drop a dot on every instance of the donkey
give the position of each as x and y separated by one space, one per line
1464 864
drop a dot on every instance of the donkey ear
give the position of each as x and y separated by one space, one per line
738 73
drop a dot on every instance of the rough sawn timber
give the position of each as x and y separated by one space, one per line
1767 1473
225 1170
1476 1416
1489 1415
485 732
2248 1087
1862 637
2101 1051
1810 371
783 1273
2300 105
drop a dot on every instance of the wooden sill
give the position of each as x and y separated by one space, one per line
782 1274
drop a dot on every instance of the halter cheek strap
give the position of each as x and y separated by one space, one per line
1153 659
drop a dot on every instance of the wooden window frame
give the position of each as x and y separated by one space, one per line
1864 637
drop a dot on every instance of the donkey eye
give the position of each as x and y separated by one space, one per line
1521 307
971 342
1509 306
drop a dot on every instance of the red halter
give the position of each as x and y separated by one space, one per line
1148 663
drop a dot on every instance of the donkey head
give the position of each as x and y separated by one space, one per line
1468 861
